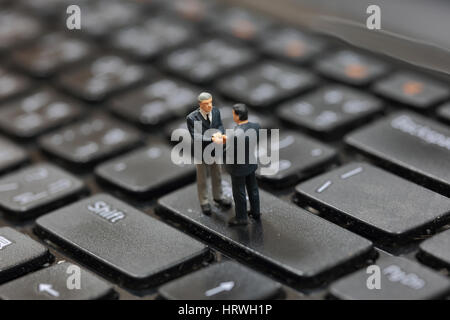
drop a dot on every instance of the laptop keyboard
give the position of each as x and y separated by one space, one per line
85 124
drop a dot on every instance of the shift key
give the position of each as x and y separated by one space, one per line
121 241
410 145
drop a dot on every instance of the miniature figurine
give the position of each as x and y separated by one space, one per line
209 118
243 172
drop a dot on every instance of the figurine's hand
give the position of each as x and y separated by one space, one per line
224 138
217 138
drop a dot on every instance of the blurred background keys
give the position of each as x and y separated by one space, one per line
36 189
12 84
207 60
137 249
415 146
401 279
292 241
91 140
146 171
351 67
444 112
38 112
291 44
19 254
51 53
299 158
153 37
52 284
11 155
368 197
101 77
412 90
222 281
155 103
435 250
266 84
330 111
16 28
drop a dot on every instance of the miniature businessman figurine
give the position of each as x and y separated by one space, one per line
198 122
243 172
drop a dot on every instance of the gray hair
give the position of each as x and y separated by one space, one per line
204 96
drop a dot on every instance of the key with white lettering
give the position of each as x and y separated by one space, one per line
299 158
397 279
91 140
17 28
36 189
38 112
12 84
114 237
11 155
414 146
221 281
330 111
19 254
291 240
102 76
435 251
62 281
146 171
369 198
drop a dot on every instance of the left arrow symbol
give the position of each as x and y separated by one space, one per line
48 288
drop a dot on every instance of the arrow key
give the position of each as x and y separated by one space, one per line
64 281
223 281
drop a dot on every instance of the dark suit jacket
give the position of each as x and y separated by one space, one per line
241 132
216 123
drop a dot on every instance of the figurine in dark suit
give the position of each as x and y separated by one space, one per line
243 165
204 118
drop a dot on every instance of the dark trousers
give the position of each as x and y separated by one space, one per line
239 183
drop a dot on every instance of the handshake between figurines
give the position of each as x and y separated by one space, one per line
219 138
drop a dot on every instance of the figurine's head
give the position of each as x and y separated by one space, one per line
240 113
205 101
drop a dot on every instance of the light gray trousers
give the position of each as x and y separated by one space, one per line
202 182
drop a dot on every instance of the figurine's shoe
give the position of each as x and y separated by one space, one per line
223 202
206 209
237 222
254 216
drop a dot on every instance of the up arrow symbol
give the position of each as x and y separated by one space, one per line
224 286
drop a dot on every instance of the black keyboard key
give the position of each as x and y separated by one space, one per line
146 171
291 44
37 112
152 37
351 67
19 254
266 84
52 284
412 90
291 240
102 17
11 155
414 146
17 28
239 23
299 158
90 140
122 241
330 111
222 281
101 77
12 84
156 103
196 11
50 54
401 279
208 60
435 251
444 112
36 189
378 204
